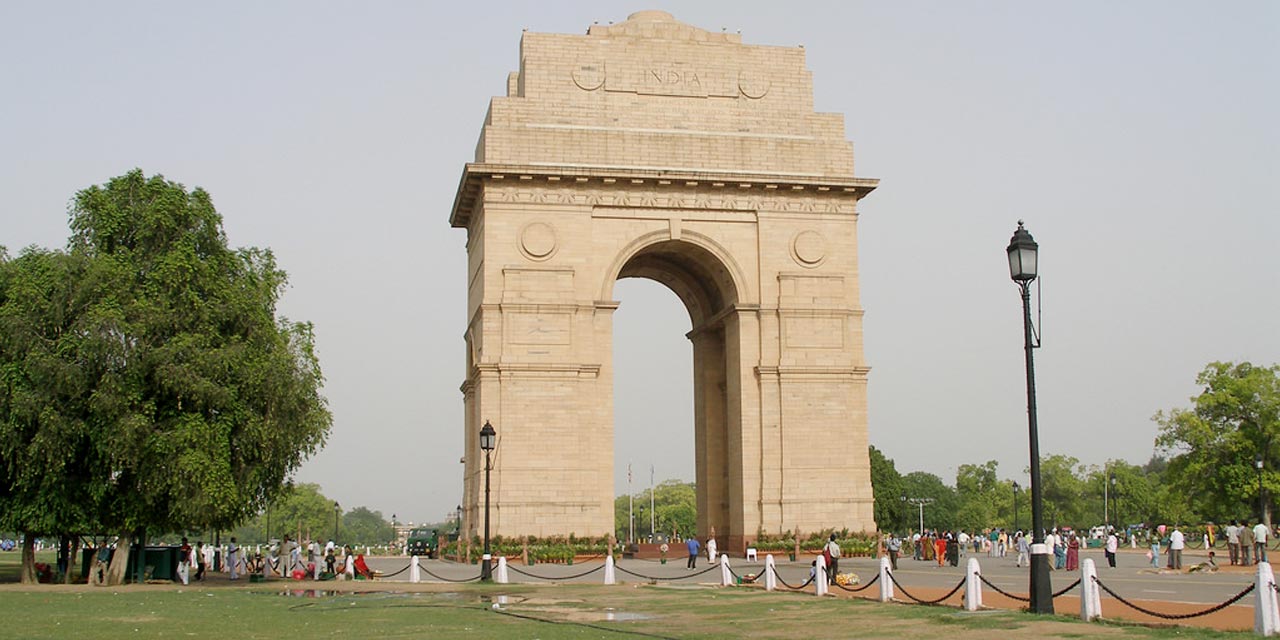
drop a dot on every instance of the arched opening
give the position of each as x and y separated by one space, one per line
706 289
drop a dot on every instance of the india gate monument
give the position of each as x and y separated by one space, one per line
654 149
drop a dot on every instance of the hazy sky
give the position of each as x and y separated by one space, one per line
1138 140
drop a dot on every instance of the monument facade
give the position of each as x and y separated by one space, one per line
655 149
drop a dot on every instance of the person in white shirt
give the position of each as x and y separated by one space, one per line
233 559
1260 542
1113 545
1233 542
711 550
1176 544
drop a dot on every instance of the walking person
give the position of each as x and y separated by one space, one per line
694 547
184 562
1113 545
1260 543
893 545
200 559
1020 542
1154 539
1073 552
1177 542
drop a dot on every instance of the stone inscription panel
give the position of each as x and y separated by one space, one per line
671 78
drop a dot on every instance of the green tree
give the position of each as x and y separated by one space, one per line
978 492
1064 493
364 526
941 513
193 401
891 511
1212 445
675 510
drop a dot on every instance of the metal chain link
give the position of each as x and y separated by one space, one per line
576 575
691 575
789 586
1002 591
1068 588
1175 616
433 575
857 589
938 601
392 575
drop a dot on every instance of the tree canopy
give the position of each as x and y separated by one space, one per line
146 375
1212 445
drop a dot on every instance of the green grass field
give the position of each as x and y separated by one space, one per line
221 609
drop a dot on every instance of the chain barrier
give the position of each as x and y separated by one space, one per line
857 589
392 575
1002 591
655 578
789 586
433 575
576 575
938 601
1175 616
1066 589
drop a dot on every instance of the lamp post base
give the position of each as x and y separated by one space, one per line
486 568
1041 587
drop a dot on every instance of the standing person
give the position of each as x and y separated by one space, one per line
1073 552
349 566
1003 542
831 553
233 558
993 537
1113 545
1059 551
184 562
329 559
711 550
916 552
1154 539
1246 542
893 545
940 547
1176 544
953 549
1260 543
1233 542
963 540
1020 543
200 564
694 547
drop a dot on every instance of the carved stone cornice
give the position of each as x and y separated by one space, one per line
633 188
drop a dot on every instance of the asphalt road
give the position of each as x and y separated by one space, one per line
1133 578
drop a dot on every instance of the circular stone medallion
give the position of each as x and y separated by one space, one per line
753 84
809 248
538 241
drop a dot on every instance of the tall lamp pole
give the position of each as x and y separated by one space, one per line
1115 503
488 439
1016 488
921 502
1257 462
1022 252
336 511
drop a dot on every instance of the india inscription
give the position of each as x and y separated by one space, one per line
654 149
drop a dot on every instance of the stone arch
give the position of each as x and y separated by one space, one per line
654 149
700 271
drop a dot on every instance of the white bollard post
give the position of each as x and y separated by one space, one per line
820 578
1266 617
610 575
972 586
1090 600
415 571
726 577
500 575
770 573
886 582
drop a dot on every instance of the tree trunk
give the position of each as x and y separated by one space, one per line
119 561
73 555
29 558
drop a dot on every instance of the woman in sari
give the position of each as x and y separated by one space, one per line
1073 552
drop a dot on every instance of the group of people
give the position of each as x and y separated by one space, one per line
1241 538
285 559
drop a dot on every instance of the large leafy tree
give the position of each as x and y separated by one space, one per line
1212 445
939 514
891 511
675 510
192 399
980 496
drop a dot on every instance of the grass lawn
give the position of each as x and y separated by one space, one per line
222 609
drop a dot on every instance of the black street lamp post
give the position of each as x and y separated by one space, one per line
1262 514
337 510
1023 255
905 523
1115 503
1016 488
487 440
